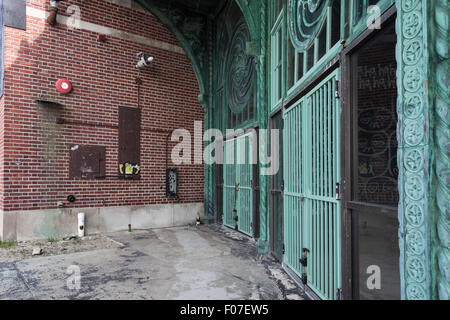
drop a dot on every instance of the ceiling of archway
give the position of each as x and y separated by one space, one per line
205 7
191 21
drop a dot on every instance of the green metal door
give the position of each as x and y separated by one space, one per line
229 183
238 189
311 173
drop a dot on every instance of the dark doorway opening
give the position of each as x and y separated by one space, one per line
372 175
276 197
219 193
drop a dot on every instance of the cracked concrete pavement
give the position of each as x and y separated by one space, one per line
189 263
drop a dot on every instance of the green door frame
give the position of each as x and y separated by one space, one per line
347 163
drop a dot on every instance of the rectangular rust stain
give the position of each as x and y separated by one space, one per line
129 143
87 162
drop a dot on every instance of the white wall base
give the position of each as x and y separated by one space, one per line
42 224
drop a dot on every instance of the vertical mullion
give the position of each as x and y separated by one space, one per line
322 142
285 199
330 118
335 214
294 189
327 188
277 63
326 148
321 159
296 62
327 253
225 182
316 49
300 190
298 231
324 188
287 186
305 62
316 146
323 184
335 164
286 160
344 7
319 141
338 163
291 215
294 164
329 24
307 168
305 236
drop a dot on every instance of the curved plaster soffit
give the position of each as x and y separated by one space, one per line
191 33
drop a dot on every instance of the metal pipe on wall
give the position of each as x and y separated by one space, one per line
53 12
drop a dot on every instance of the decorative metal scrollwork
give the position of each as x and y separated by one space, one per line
306 18
240 68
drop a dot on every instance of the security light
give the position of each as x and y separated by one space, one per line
144 60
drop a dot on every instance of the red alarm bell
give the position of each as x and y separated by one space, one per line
63 86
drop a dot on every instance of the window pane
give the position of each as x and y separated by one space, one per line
279 62
375 106
280 79
310 58
300 65
358 8
291 65
323 41
280 45
336 22
378 256
278 7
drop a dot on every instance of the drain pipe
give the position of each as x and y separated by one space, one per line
53 12
81 224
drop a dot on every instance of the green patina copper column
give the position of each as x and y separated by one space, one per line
255 13
439 100
263 116
209 211
423 132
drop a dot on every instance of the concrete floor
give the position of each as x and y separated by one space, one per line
206 262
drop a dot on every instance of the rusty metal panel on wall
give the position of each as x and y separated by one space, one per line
87 162
14 14
129 142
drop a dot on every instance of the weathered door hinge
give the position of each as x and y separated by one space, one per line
304 262
337 93
338 191
339 294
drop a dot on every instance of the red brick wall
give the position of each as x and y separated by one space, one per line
36 148
2 111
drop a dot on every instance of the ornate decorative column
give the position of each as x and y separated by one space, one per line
255 13
423 146
263 116
208 169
